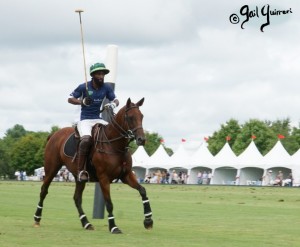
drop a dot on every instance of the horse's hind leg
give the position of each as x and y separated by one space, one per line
78 202
130 179
44 191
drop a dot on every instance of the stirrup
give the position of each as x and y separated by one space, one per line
81 173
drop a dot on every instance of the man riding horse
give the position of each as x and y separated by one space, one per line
90 96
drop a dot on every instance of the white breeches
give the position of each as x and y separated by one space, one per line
85 126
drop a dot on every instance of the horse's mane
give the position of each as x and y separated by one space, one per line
49 136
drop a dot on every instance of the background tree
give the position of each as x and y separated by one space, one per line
54 128
230 129
12 136
259 132
24 150
153 140
283 127
5 169
27 154
16 132
295 136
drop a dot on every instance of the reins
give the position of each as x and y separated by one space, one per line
124 133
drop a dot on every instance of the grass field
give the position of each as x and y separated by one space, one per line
184 215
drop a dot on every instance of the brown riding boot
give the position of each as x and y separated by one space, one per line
84 148
83 175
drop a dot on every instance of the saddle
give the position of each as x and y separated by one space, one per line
70 147
71 144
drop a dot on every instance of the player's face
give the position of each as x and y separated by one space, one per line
98 77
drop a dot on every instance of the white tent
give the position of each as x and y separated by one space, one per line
158 160
278 159
201 160
179 162
180 158
225 163
251 166
247 169
139 163
295 159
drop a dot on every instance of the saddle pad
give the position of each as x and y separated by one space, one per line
70 146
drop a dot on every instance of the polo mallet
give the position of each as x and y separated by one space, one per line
82 43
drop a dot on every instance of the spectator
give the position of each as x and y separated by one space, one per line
204 177
279 179
167 177
291 180
199 177
209 176
158 176
66 175
180 177
184 178
163 177
17 174
288 181
268 178
174 177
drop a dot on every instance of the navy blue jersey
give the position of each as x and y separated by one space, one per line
93 111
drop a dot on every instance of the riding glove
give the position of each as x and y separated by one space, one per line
111 105
87 101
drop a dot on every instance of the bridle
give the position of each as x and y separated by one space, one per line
124 133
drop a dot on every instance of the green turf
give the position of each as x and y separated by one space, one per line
184 215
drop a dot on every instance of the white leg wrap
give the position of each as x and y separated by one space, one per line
82 216
112 229
145 201
87 225
149 214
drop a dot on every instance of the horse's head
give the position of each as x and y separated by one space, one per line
134 121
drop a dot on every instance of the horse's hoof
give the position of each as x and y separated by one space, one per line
115 230
36 225
148 224
90 227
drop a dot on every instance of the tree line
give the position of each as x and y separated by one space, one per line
265 134
23 150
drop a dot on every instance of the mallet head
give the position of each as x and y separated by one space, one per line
79 10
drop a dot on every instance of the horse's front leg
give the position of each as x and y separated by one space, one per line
78 202
148 222
130 179
105 187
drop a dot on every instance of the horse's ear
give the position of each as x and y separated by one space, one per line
128 103
141 102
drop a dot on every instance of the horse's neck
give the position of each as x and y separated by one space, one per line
115 133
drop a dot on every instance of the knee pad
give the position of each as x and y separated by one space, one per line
85 144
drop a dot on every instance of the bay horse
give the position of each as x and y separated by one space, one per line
109 157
